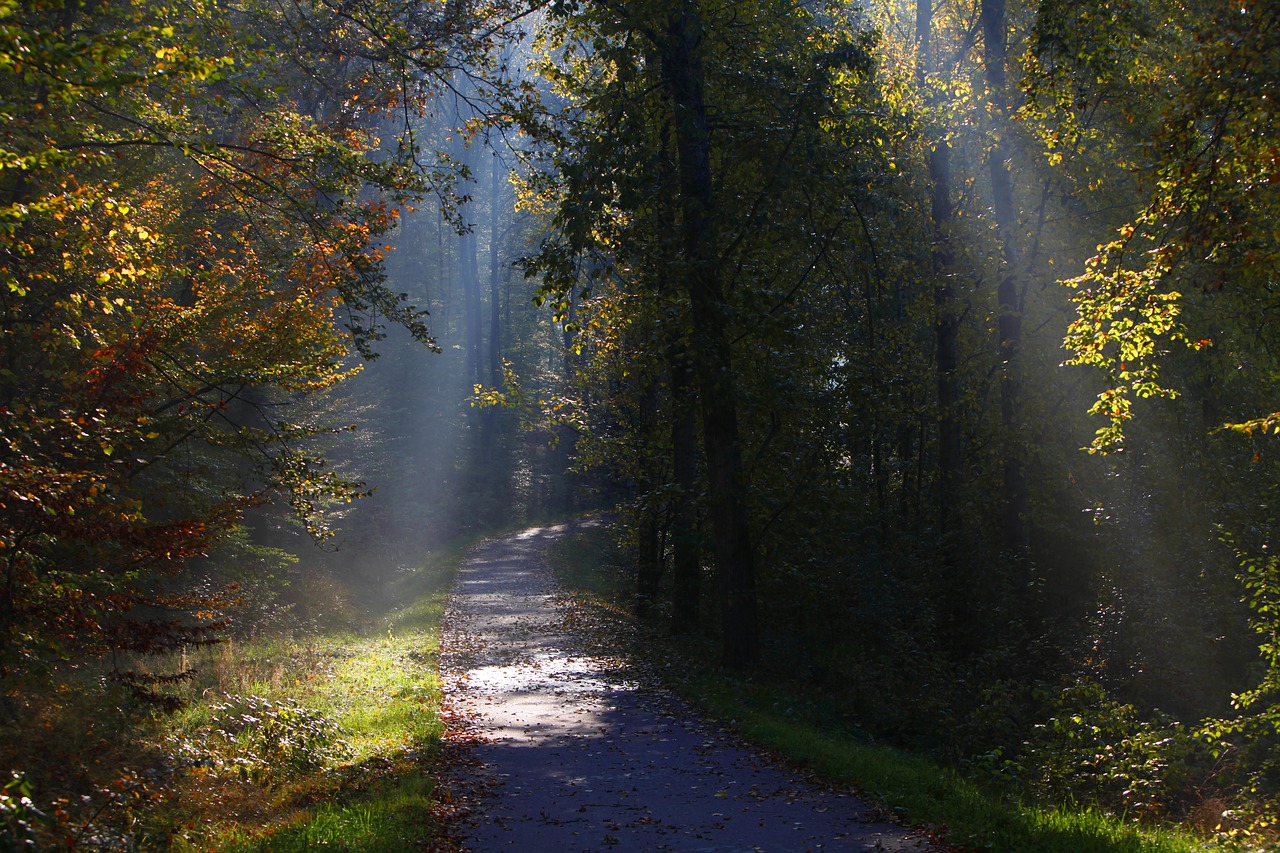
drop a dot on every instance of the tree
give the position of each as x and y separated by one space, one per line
1203 224
1008 293
700 279
186 248
720 192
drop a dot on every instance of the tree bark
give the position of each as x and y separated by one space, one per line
490 421
469 272
469 275
700 274
957 609
648 561
946 325
497 177
686 566
1015 503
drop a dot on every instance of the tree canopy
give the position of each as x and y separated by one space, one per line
841 294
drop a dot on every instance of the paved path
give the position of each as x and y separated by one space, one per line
568 753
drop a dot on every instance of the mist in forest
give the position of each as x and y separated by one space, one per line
920 351
440 466
879 367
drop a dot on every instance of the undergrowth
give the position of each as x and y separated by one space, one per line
289 741
783 718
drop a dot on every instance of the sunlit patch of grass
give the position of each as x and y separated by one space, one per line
386 694
108 771
380 687
910 787
388 820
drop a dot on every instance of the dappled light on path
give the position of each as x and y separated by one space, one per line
569 750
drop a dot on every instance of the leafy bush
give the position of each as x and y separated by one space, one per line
1094 747
260 739
1248 745
19 816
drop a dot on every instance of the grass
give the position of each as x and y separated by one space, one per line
381 687
920 790
347 765
915 788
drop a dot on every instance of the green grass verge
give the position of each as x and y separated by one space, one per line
380 686
919 790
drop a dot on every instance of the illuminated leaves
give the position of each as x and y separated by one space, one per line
1123 315
185 252
1208 166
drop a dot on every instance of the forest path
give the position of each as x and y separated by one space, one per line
563 747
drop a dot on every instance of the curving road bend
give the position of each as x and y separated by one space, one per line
565 751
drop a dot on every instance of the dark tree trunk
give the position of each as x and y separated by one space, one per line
470 275
444 273
686 568
651 476
946 322
735 558
648 561
1015 503
490 422
946 334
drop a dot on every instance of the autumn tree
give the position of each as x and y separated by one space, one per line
192 202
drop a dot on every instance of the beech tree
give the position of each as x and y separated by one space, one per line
192 201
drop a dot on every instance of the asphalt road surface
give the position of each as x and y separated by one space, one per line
564 748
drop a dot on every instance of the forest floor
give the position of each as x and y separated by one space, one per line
562 742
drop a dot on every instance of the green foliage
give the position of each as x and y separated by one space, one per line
261 740
1095 749
778 713
392 822
854 218
1260 577
193 202
923 791
194 206
19 816
1123 316
1206 220
1248 744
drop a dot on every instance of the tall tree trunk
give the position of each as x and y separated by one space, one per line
490 421
956 606
946 322
946 336
497 179
1015 499
467 156
686 567
561 456
648 560
468 271
444 274
700 273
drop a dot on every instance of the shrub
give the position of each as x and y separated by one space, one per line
1093 747
260 739
19 816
